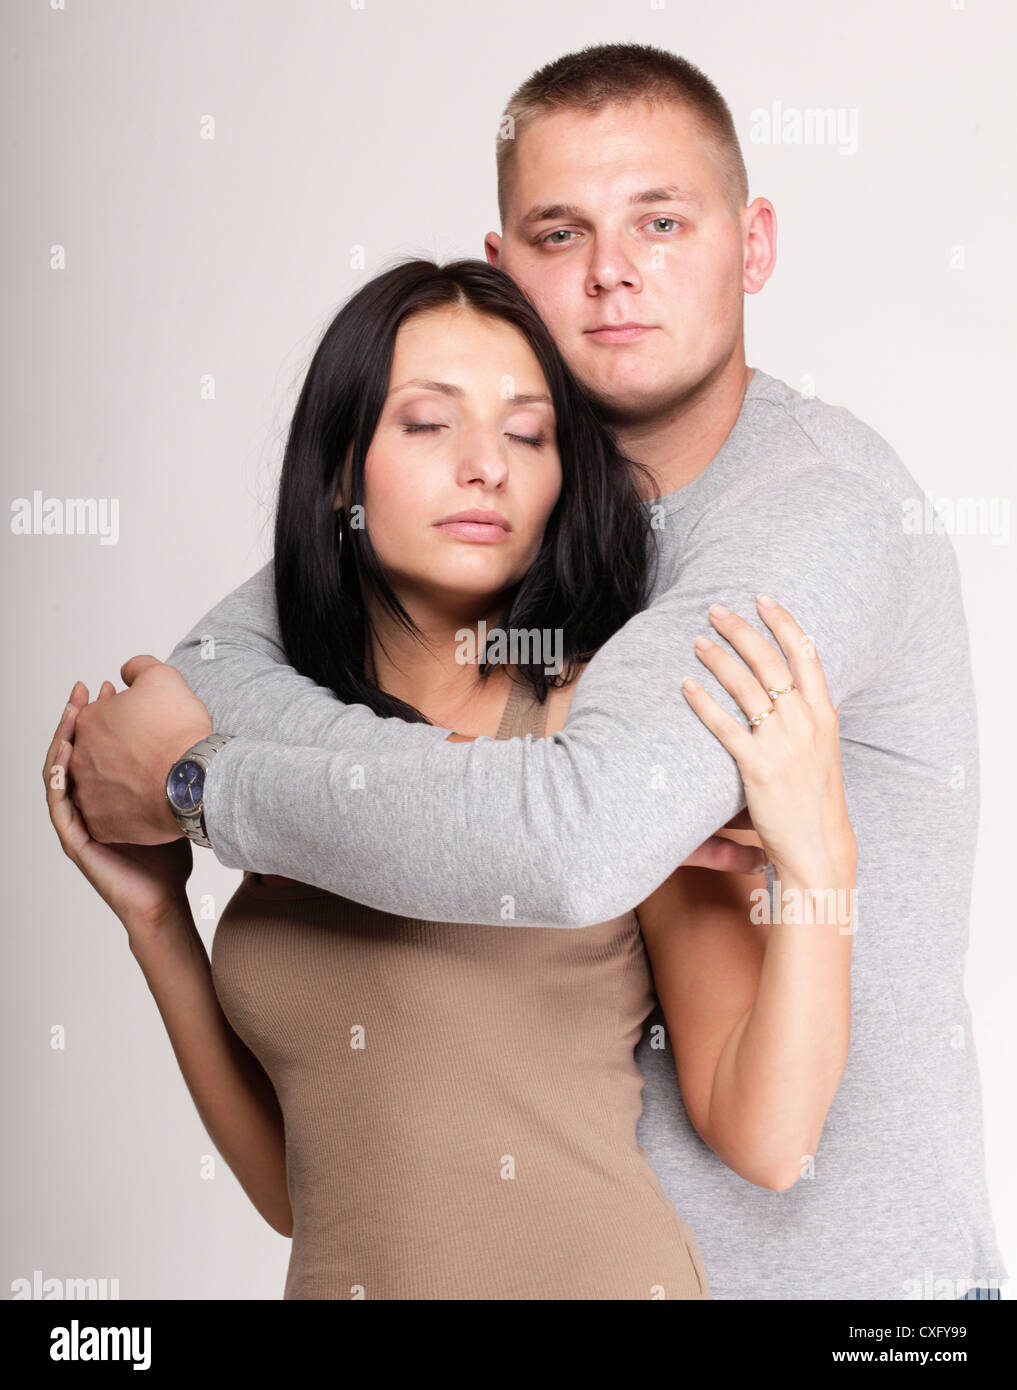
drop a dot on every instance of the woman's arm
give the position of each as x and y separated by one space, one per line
759 1012
233 1095
145 885
758 1016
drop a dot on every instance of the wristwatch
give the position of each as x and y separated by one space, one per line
185 787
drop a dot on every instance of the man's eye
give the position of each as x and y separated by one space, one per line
415 428
657 220
559 232
533 439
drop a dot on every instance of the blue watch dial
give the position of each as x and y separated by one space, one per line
186 785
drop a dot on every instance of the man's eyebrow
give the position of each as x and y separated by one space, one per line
447 388
666 193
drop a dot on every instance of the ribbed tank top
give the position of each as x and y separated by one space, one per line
460 1102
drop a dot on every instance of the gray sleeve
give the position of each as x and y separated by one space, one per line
579 827
234 661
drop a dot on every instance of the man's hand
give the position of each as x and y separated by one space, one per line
124 747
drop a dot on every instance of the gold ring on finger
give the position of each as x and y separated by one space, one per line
758 718
786 691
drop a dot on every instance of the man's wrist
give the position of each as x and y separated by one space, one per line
167 821
166 817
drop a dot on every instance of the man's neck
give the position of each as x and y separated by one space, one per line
678 444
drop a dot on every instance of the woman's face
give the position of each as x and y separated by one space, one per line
467 426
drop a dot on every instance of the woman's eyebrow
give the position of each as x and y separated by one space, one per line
445 386
449 389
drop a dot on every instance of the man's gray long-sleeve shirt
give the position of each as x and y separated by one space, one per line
806 503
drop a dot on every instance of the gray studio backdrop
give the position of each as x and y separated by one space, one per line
191 190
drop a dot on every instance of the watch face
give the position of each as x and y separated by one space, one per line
186 785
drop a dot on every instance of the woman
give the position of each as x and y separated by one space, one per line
440 1110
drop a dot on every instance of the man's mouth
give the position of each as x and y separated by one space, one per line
619 332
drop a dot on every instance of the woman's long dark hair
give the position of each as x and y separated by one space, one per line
593 570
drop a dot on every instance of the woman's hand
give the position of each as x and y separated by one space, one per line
145 885
790 761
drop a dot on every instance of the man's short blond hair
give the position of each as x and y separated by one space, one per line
621 73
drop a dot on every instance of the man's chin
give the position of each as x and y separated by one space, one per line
633 404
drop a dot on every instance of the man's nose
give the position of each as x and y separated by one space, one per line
611 267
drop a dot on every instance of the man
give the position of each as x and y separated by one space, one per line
624 210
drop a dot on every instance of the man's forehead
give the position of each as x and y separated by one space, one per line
614 162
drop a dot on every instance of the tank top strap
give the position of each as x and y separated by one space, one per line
523 714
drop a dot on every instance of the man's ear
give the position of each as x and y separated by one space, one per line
492 247
760 237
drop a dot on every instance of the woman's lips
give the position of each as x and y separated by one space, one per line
483 531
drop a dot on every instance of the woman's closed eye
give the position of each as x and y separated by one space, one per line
534 440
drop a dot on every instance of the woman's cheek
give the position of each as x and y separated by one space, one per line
387 502
551 498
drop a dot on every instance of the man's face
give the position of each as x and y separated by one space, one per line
672 261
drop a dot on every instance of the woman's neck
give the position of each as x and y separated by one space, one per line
431 672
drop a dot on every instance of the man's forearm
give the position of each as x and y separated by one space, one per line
579 827
308 780
436 839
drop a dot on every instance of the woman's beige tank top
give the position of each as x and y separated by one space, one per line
460 1101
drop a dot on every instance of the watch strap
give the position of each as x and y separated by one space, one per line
192 823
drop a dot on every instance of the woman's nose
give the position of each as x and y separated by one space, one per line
482 459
